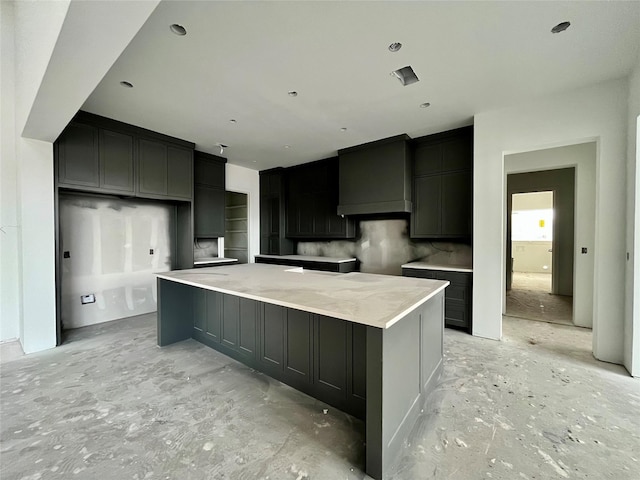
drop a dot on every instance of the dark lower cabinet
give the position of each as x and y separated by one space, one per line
272 337
322 356
226 321
298 346
457 296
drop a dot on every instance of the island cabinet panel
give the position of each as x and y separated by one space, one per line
230 320
248 328
331 356
213 315
299 346
272 328
380 375
358 357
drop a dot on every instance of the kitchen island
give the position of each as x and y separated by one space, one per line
370 345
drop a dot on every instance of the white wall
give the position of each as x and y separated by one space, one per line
35 204
632 305
243 180
9 238
583 158
35 57
597 112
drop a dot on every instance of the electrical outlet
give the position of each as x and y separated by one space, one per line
584 250
151 251
66 255
84 299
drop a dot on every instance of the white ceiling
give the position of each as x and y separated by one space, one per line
239 60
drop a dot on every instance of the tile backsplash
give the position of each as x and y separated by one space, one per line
383 246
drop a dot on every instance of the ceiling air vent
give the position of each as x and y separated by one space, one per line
406 75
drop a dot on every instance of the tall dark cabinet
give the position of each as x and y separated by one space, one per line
272 213
312 202
443 185
209 195
102 156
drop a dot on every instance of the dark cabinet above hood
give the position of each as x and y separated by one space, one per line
375 178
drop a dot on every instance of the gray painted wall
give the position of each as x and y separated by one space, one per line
383 246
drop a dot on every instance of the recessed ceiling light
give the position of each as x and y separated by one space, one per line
287 146
425 105
178 29
406 75
561 27
233 120
395 46
124 83
343 129
292 93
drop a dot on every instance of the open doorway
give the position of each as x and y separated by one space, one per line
236 236
540 239
531 295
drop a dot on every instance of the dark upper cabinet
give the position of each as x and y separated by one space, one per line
152 167
457 203
375 178
179 172
209 195
443 185
312 201
78 160
208 208
164 169
427 205
272 214
116 161
97 154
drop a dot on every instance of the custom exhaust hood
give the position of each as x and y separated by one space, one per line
375 178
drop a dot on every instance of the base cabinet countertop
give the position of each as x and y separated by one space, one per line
458 309
327 264
370 345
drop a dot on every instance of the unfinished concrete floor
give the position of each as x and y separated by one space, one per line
530 298
110 404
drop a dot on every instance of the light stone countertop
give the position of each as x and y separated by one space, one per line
309 258
439 266
369 299
213 260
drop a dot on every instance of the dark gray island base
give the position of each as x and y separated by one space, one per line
380 374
